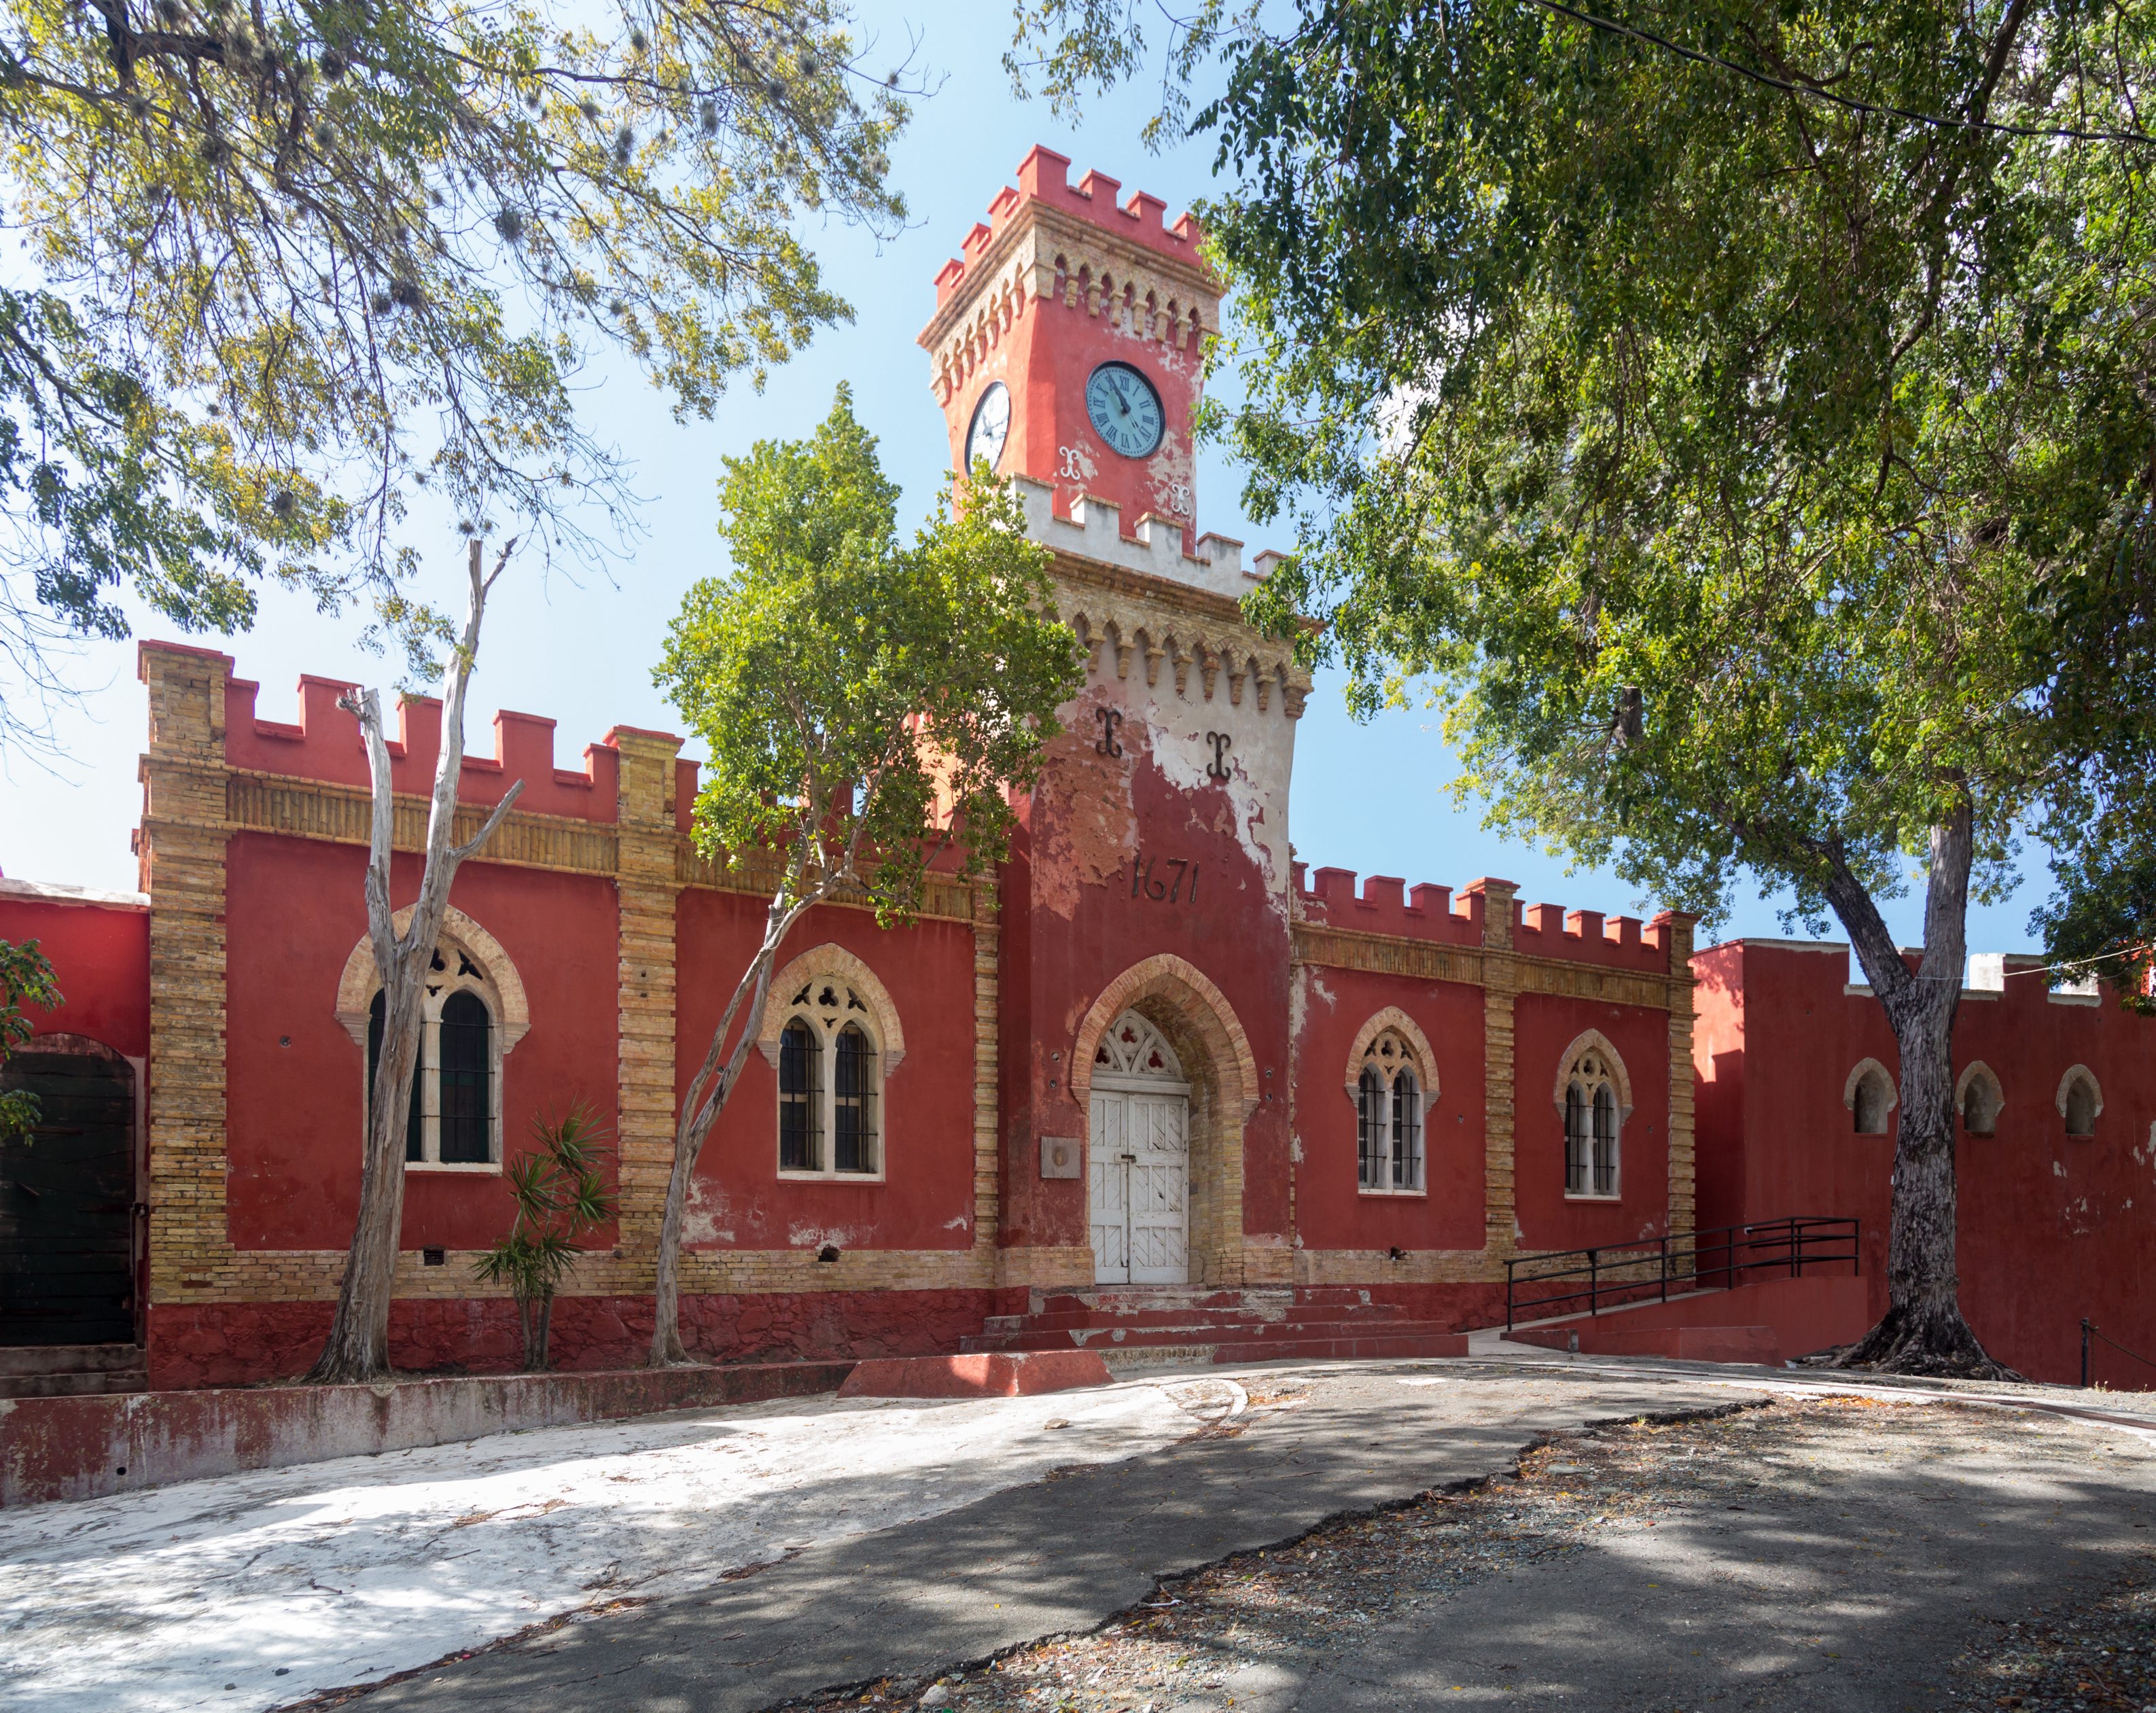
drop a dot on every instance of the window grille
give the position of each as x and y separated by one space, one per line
800 1066
1604 1163
1579 1141
1370 1128
1407 1132
415 1118
466 1101
853 1101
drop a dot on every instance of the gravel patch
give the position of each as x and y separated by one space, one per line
1249 1627
2101 1655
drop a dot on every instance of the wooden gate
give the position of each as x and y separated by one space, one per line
67 1203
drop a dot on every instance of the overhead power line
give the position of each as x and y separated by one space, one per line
1851 103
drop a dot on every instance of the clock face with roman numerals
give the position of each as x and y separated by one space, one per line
1125 409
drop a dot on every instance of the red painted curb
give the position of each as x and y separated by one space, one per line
84 1448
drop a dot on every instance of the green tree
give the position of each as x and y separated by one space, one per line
560 1195
870 706
286 263
1726 414
26 978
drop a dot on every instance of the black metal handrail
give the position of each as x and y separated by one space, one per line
2092 1335
1618 1274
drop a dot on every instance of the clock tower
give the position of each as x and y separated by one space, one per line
1068 348
1143 965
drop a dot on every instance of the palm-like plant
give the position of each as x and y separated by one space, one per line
560 1196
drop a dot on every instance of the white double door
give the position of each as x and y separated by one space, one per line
1138 1179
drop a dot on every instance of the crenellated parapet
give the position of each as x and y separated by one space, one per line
325 744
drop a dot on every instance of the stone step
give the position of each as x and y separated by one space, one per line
1249 1335
1073 1320
19 1359
1367 1348
74 1385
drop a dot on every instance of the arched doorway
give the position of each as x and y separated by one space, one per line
1138 1163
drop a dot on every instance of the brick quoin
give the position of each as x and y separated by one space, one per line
1151 878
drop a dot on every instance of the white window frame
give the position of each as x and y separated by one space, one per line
826 1021
456 975
1390 1055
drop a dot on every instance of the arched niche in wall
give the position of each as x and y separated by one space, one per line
1871 1096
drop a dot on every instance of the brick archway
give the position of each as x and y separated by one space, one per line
1190 1009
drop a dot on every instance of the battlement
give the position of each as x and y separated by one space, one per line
323 743
1094 530
1387 904
1044 177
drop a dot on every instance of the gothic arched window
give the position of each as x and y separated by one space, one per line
1593 1118
828 1084
456 1117
1388 1116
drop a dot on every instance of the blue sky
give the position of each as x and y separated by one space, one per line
1370 798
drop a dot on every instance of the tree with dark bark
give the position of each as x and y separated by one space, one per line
358 1344
870 706
1730 414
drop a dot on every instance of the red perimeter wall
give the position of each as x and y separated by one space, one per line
2052 1228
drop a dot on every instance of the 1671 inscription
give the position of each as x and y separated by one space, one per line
1164 879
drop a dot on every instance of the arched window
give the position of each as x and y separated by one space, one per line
456 1116
1979 1100
828 1084
1388 1114
1870 1098
1594 1122
415 1120
2080 1102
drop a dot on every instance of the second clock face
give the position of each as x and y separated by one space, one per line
1125 409
990 427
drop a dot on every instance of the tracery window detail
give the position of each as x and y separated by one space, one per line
829 1084
1388 1118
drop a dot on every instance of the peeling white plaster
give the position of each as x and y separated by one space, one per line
961 1223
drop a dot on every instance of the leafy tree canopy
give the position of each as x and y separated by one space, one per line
1740 415
1734 448
285 261
867 702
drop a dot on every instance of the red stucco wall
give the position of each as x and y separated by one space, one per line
294 912
1332 1212
100 957
926 1199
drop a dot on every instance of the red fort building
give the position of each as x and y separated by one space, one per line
1151 1086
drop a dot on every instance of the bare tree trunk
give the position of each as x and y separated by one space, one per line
706 1097
1924 1331
358 1344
